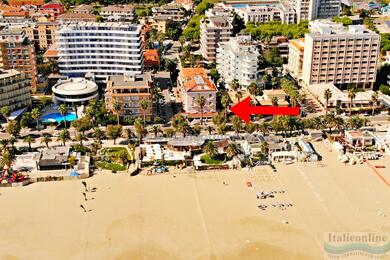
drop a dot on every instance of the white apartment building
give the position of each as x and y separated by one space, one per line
282 12
340 55
237 59
99 50
316 9
302 8
217 27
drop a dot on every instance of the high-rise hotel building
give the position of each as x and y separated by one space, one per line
340 55
98 50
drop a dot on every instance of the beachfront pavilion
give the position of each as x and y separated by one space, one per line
187 143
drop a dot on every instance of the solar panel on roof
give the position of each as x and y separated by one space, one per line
198 80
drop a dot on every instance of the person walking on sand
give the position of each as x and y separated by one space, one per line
82 206
85 196
85 185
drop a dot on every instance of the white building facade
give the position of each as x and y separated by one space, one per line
99 49
237 59
282 12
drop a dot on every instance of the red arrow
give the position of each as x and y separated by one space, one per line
244 109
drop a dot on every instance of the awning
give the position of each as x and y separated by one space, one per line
17 113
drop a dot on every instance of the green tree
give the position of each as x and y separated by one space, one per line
225 102
374 100
351 96
46 139
64 136
63 111
29 139
234 85
36 114
232 150
116 107
214 75
238 96
72 161
7 159
327 96
98 134
144 105
155 130
13 128
201 102
5 112
210 149
80 137
274 101
140 129
236 124
114 131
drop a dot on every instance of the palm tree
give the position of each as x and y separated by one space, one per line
209 129
327 96
201 102
46 139
127 133
374 99
4 145
264 148
232 150
177 120
263 128
236 124
234 84
63 110
144 105
225 101
98 134
238 96
6 159
157 98
339 123
29 139
252 88
274 101
351 96
64 136
210 149
139 129
114 131
36 114
116 107
80 137
155 129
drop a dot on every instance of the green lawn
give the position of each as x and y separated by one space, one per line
111 160
111 166
218 159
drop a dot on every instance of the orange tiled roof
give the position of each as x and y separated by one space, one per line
151 57
9 8
26 2
50 53
11 13
196 79
183 1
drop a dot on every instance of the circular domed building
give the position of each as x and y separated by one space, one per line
74 91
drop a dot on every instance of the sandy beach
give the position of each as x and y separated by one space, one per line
195 216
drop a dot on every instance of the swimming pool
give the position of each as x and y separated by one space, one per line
57 117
